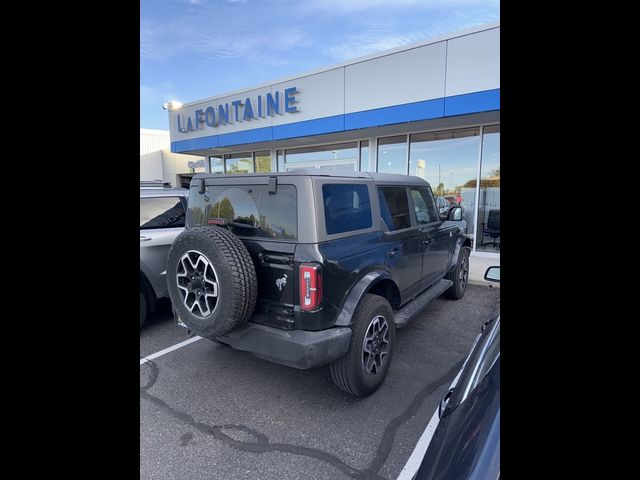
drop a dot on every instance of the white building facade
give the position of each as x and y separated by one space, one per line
430 109
157 162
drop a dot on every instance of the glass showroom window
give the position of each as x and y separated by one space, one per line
392 154
364 156
239 163
449 162
339 156
216 165
263 161
489 195
280 160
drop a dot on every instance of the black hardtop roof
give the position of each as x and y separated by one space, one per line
377 177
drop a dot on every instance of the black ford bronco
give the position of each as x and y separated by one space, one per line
307 269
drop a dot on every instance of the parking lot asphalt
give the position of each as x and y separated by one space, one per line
208 411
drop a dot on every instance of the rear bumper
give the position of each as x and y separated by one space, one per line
294 348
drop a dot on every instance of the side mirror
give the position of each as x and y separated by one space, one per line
492 274
455 214
444 402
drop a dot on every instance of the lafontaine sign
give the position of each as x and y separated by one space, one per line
250 109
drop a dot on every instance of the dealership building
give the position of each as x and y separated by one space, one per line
430 109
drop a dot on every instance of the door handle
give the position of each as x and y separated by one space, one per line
391 253
427 242
144 239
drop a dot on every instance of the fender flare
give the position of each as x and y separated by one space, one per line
356 293
456 253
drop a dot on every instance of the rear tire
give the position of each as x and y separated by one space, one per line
143 308
373 334
459 276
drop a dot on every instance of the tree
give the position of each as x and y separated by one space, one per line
440 189
222 209
484 183
263 164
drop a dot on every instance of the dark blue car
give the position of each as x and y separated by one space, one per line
466 442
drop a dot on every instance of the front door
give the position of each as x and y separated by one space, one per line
402 240
437 235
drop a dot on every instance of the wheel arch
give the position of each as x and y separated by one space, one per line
463 242
377 282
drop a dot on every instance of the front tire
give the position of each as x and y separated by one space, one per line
373 334
459 276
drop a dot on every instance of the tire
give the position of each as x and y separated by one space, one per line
349 372
212 280
459 276
143 307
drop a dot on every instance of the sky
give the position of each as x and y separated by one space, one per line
192 49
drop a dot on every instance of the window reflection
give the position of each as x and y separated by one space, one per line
489 195
449 162
161 212
249 211
239 163
364 156
216 165
263 161
338 156
392 154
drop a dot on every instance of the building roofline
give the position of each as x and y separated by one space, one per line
411 46
154 132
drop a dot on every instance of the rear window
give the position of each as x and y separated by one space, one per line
161 212
347 207
247 210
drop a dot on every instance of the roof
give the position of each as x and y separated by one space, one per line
315 172
163 192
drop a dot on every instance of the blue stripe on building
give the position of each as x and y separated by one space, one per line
410 112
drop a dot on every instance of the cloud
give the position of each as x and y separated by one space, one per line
211 36
347 6
360 45
156 93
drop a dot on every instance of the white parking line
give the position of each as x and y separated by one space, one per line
413 464
169 349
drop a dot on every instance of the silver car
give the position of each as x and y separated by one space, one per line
162 216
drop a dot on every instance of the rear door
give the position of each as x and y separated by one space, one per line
437 235
161 221
402 240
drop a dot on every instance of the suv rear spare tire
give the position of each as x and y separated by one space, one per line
212 280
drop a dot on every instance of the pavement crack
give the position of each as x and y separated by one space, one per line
262 443
390 431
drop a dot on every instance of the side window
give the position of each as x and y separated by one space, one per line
425 207
347 207
394 207
161 212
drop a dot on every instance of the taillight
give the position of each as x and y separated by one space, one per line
310 287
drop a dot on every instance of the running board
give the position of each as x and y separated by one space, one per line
415 306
